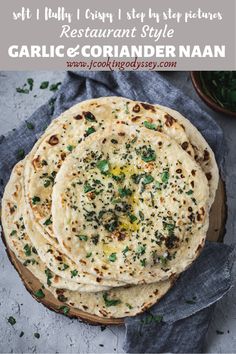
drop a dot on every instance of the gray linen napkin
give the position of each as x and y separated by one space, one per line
179 322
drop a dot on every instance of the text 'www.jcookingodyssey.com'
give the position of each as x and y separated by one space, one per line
119 65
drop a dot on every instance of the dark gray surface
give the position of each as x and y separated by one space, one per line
217 342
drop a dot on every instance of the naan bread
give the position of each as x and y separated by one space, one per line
31 214
90 117
114 303
60 263
48 155
19 242
49 250
118 302
71 128
203 153
131 205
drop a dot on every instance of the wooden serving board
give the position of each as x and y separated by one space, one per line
216 232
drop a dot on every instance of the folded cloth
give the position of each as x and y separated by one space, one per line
185 318
178 323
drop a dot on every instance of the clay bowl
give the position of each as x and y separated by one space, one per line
195 77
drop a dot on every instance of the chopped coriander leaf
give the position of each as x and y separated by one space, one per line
190 192
125 250
48 222
89 254
148 154
143 262
119 178
136 178
65 266
148 179
141 215
112 257
30 83
129 306
158 185
89 116
150 318
27 250
13 232
54 87
163 260
169 227
190 302
141 249
82 237
47 183
39 294
74 273
11 320
97 181
35 200
112 224
90 131
114 141
22 90
21 153
95 239
30 126
37 335
62 298
44 85
53 174
132 218
103 166
116 201
70 148
87 187
49 276
110 302
64 309
165 176
124 192
149 125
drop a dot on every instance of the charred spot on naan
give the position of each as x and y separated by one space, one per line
169 120
53 140
206 155
78 117
135 118
136 108
148 107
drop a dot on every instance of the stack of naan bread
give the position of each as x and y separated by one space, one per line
111 204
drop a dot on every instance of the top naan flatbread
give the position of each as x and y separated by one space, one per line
89 117
131 205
